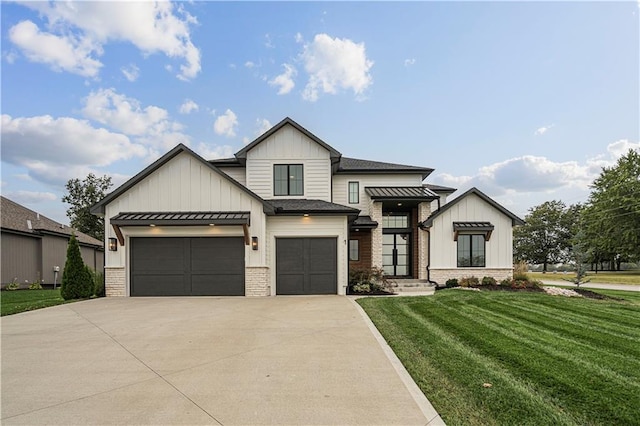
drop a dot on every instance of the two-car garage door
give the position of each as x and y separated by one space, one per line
187 266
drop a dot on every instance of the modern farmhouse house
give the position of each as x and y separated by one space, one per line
290 215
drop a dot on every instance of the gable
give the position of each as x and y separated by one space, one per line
288 143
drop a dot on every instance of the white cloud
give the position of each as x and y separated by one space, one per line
83 28
226 124
263 125
268 43
131 73
409 62
62 53
249 64
30 197
542 130
211 152
334 64
124 114
54 150
285 80
299 39
188 106
534 174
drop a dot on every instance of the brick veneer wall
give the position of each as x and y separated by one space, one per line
256 281
114 282
424 210
375 209
441 276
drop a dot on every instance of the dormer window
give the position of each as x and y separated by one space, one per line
288 179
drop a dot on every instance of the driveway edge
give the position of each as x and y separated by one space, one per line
421 400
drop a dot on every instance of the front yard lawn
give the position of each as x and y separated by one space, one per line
504 358
13 302
610 277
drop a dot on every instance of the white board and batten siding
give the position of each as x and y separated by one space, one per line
185 184
304 227
499 250
237 173
341 187
289 146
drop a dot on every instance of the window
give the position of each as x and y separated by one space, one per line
354 192
471 250
288 179
395 221
354 250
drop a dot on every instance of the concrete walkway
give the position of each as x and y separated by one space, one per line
603 286
203 360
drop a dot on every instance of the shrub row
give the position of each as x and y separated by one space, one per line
517 282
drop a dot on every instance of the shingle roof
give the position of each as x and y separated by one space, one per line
181 218
296 206
400 193
15 217
364 222
355 165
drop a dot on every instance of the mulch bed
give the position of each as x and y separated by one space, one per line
593 295
371 293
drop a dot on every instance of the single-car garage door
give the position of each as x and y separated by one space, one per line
187 266
306 266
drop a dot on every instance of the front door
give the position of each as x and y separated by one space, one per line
396 256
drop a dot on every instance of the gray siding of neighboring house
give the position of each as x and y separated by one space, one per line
33 259
20 258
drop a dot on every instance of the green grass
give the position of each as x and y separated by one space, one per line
13 302
550 360
622 277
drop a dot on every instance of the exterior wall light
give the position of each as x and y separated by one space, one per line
113 244
254 243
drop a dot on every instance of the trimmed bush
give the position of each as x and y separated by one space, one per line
469 281
366 280
76 279
35 286
13 285
488 281
451 282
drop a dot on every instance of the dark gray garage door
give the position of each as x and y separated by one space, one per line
306 266
187 266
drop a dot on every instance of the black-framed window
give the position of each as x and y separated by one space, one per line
354 250
395 220
471 250
288 179
354 192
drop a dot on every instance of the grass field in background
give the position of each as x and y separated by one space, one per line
622 277
13 302
504 358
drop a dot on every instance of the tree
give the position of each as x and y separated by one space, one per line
579 256
81 195
545 237
76 280
612 216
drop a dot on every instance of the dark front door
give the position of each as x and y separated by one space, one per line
187 266
306 266
396 254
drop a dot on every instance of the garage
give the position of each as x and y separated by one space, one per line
189 266
306 266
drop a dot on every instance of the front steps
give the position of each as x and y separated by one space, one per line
407 286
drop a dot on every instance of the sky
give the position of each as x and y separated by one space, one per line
525 100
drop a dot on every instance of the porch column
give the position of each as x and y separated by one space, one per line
375 209
424 211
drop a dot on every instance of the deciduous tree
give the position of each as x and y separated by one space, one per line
81 195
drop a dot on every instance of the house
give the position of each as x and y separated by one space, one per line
288 214
33 246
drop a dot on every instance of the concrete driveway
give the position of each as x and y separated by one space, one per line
202 360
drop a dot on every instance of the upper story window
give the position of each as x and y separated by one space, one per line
288 179
471 250
354 192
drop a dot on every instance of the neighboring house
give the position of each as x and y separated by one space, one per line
34 245
290 215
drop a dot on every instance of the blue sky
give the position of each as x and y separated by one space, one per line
526 101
